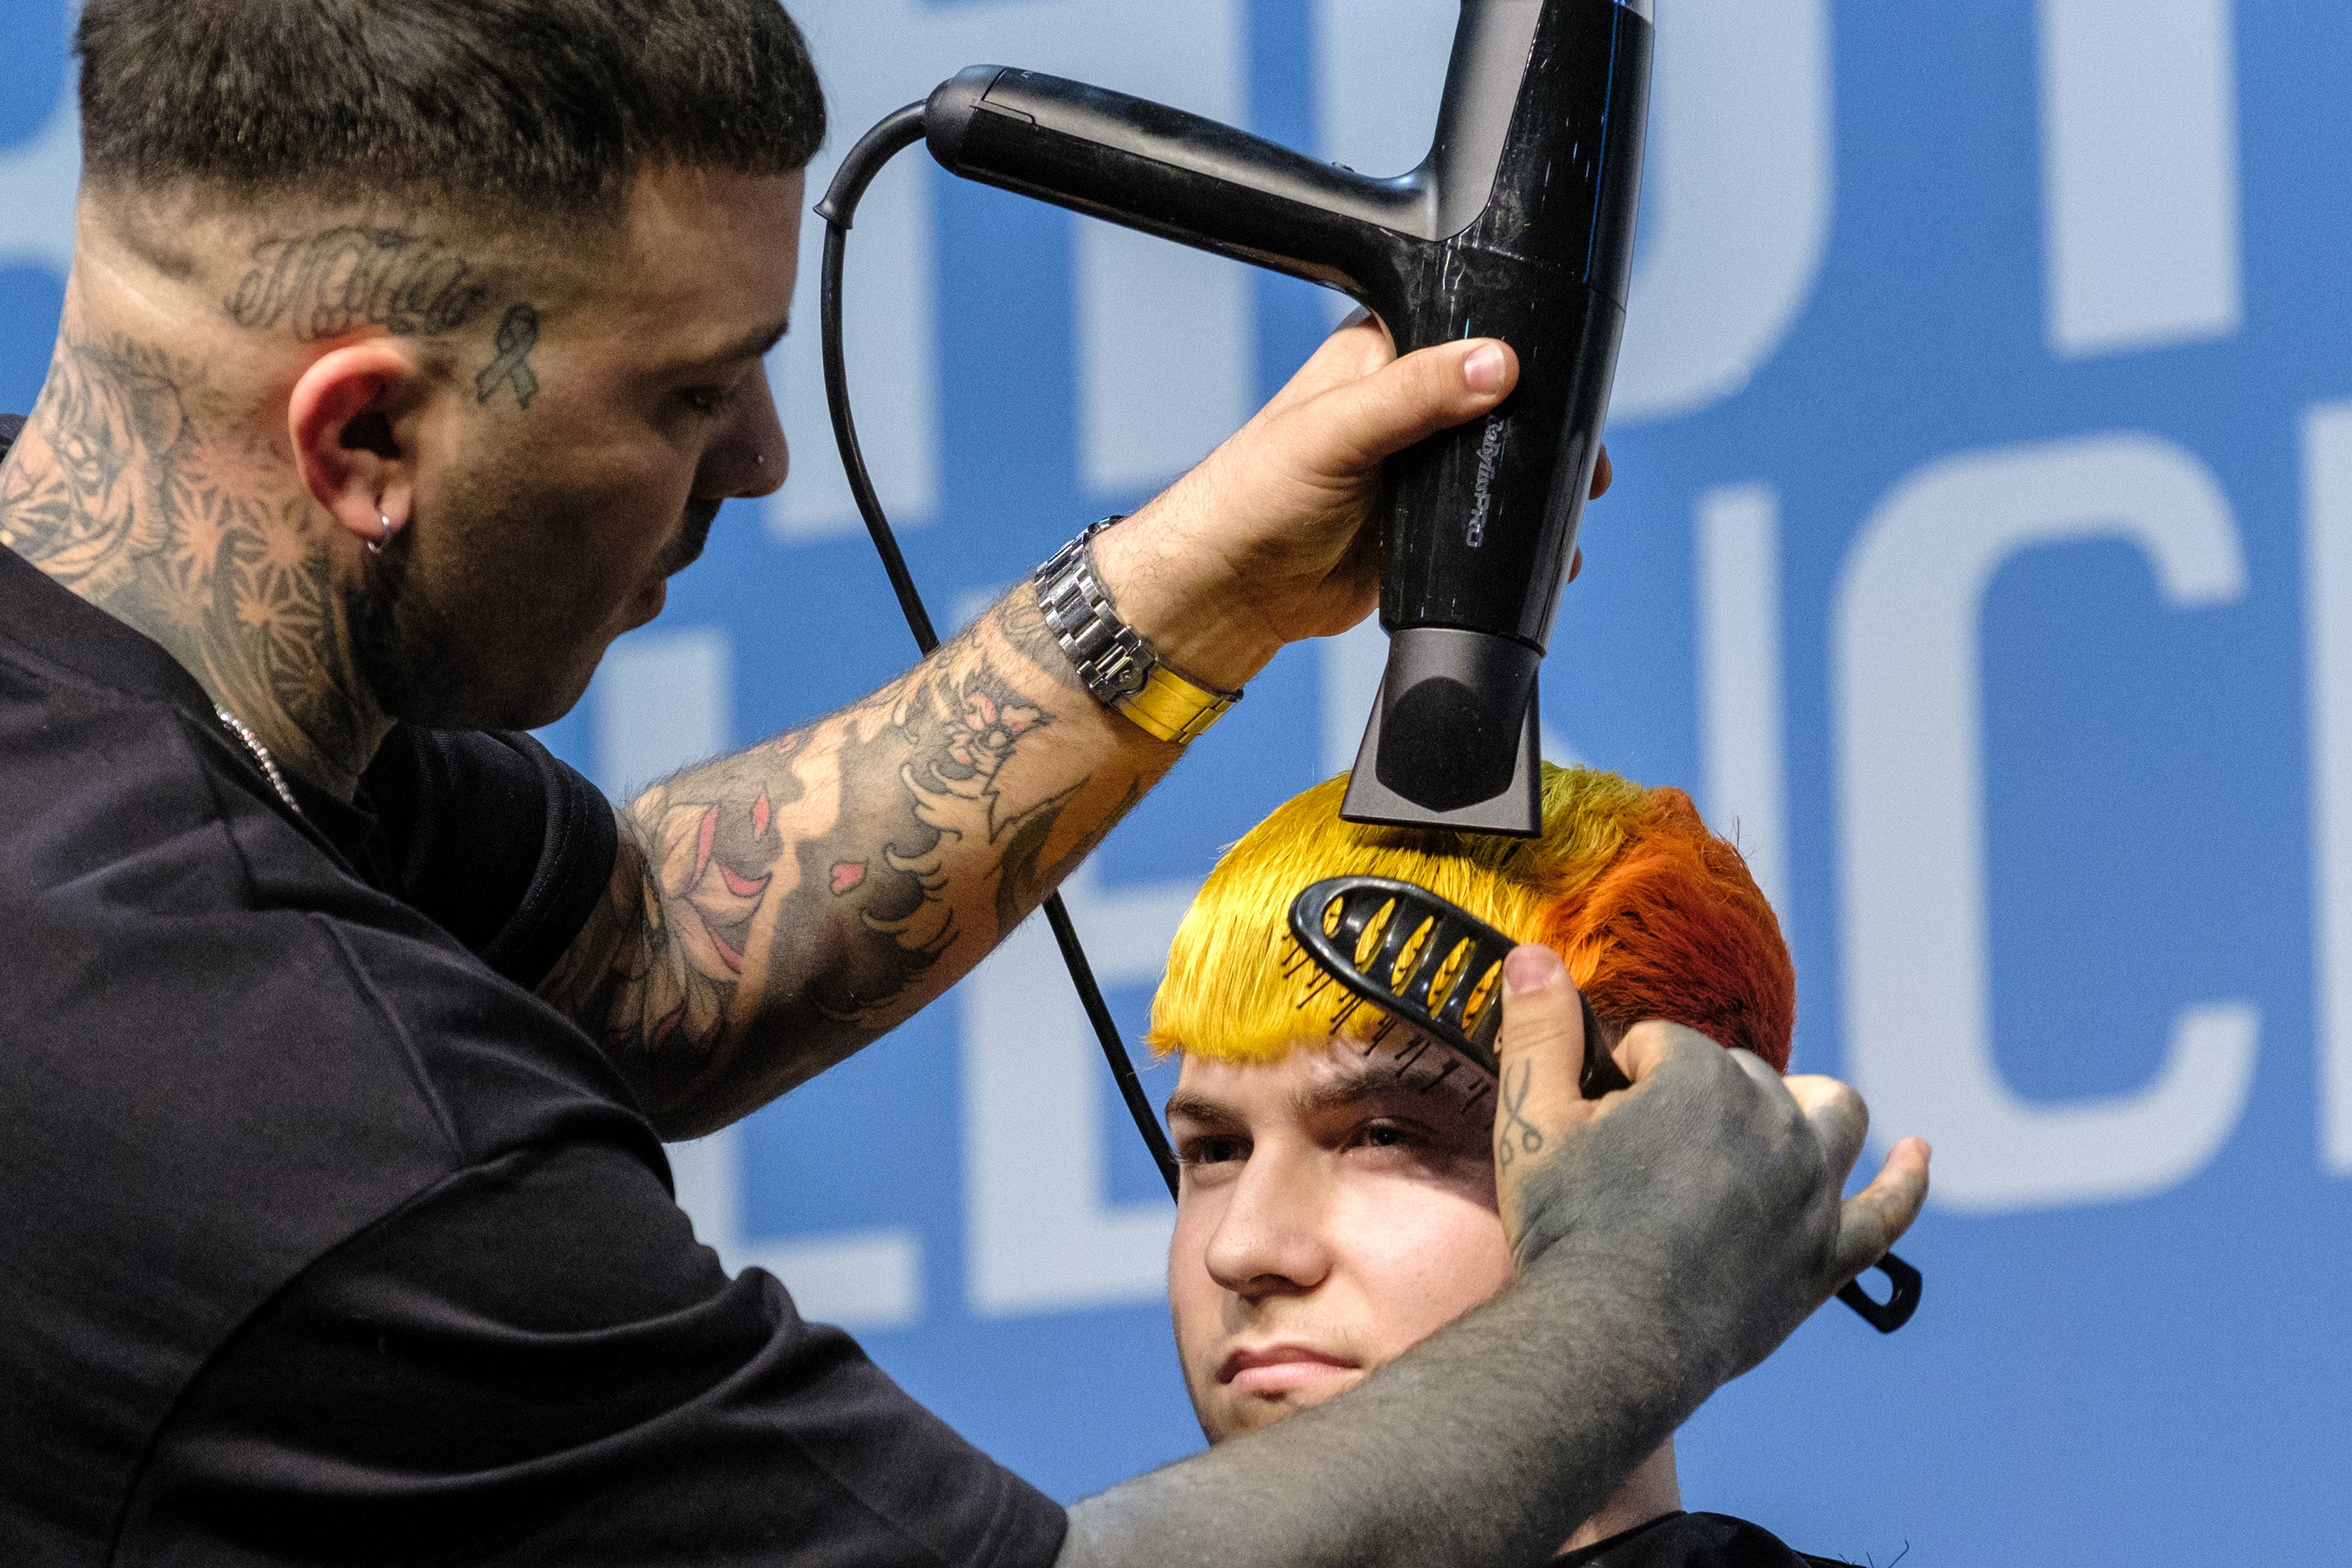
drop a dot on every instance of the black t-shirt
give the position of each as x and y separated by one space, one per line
321 1238
1691 1540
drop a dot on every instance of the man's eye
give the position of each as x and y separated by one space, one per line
710 399
1211 1151
1389 1135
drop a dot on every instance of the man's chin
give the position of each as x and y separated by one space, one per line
648 606
550 695
1237 1414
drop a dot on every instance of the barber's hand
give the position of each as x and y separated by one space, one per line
1712 1180
1268 542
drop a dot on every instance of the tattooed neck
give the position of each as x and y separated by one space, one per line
128 489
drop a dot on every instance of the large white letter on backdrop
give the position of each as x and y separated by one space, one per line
2140 179
1910 774
1739 195
37 182
1743 748
1042 1233
1164 337
2327 631
1739 190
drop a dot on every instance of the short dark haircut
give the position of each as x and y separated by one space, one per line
505 109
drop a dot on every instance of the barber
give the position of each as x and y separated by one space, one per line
408 349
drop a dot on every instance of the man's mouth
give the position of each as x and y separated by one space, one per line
693 533
1279 1368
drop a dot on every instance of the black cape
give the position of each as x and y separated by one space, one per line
1693 1540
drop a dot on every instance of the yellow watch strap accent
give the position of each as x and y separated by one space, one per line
1172 707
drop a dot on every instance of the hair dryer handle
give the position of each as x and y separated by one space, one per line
1168 172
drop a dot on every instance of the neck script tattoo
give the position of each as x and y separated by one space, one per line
325 285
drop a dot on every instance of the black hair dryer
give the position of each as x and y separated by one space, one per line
1519 226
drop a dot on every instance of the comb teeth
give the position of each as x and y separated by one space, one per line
1410 954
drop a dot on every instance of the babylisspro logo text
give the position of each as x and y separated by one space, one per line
1483 497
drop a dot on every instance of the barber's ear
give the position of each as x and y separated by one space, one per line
345 417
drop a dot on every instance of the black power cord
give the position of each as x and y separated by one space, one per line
839 210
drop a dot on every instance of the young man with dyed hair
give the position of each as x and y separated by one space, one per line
1339 1200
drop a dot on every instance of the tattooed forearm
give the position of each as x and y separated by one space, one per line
1027 876
1022 625
776 911
325 285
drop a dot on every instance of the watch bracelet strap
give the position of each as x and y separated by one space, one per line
1173 707
1118 665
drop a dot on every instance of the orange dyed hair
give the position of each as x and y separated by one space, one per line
1656 916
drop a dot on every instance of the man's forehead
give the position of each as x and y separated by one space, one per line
1303 1064
1320 1072
708 265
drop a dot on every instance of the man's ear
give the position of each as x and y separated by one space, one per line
344 418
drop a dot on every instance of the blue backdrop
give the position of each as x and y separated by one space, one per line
1981 555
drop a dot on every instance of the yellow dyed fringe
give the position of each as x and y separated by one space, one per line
1235 990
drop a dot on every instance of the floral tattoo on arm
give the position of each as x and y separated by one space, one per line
775 911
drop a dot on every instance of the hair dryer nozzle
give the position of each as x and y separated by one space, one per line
1456 738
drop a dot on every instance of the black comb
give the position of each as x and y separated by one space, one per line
1426 960
1424 944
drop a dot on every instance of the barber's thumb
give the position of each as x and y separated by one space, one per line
1540 1054
1424 393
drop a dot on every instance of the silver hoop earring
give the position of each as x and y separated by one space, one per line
384 535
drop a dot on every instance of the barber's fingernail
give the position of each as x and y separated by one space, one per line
1483 370
1531 969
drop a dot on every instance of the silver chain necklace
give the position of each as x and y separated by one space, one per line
244 732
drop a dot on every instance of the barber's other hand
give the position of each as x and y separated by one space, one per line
1712 1182
1268 541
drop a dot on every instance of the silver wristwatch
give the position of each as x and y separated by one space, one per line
1118 663
1112 657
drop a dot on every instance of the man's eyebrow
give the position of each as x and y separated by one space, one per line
1372 1078
1359 1081
753 344
1200 1107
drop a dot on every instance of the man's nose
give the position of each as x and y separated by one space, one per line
1274 1237
750 458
